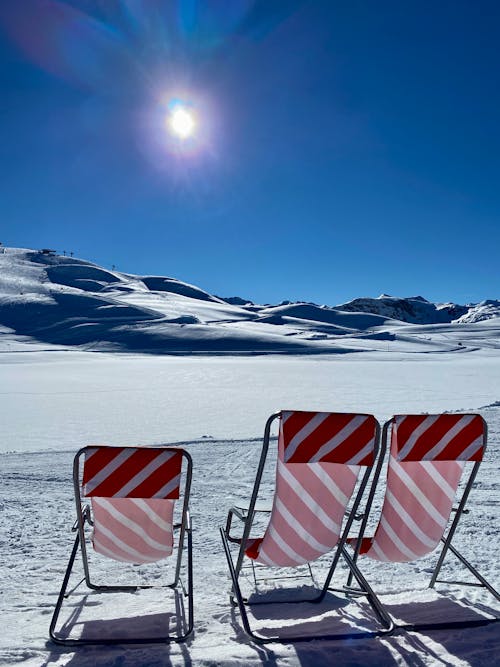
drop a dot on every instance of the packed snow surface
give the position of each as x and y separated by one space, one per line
54 402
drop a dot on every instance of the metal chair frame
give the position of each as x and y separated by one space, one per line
446 540
84 517
247 515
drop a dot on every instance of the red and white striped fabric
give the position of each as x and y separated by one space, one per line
133 492
319 458
312 437
132 472
427 457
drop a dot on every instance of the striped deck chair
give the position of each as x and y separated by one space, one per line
321 455
132 493
427 459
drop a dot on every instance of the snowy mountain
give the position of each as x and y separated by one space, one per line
414 310
417 310
64 301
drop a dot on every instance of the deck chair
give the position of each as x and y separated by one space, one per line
132 493
321 455
428 458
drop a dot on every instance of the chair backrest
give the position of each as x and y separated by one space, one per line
133 492
320 455
426 461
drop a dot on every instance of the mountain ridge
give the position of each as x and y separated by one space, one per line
68 301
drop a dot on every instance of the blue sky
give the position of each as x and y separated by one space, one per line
344 149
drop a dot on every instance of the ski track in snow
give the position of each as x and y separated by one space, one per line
52 393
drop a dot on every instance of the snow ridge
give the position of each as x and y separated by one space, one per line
66 301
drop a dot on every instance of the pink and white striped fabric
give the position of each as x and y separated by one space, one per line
134 530
427 457
319 458
133 492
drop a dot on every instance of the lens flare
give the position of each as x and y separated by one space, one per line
181 122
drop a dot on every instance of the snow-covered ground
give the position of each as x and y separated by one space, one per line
55 401
68 399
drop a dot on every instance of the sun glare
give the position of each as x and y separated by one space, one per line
181 122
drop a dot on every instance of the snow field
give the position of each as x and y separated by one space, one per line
70 399
59 401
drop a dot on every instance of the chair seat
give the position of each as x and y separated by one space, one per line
133 530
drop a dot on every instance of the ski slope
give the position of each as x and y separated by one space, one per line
64 302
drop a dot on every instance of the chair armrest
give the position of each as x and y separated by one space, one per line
242 514
241 510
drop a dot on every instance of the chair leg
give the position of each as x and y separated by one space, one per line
123 640
464 561
236 591
62 592
190 584
372 598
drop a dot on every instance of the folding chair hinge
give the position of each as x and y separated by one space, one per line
86 517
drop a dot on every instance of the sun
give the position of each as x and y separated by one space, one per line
181 122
